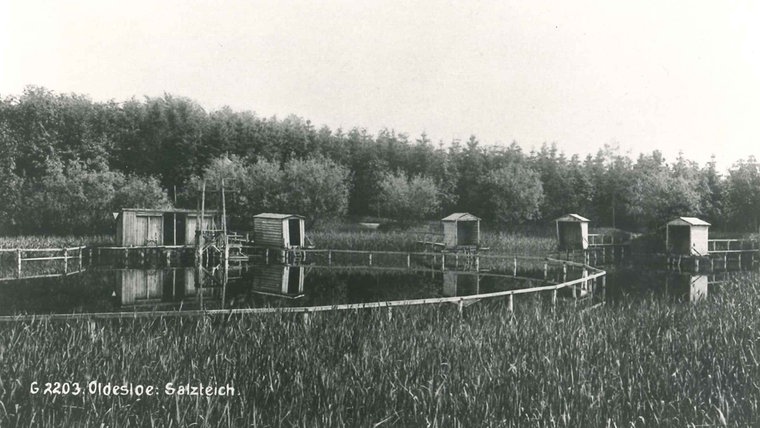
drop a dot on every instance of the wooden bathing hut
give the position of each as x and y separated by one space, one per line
137 227
461 231
572 232
279 280
281 231
687 236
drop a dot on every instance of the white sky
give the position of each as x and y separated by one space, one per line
643 74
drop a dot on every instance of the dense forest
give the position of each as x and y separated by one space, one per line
68 162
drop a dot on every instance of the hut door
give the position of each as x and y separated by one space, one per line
465 233
169 229
294 229
680 239
181 229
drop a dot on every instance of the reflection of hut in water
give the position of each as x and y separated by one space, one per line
461 230
139 226
279 280
278 230
698 288
695 287
146 286
687 235
572 232
460 284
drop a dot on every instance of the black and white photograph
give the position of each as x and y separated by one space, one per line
428 213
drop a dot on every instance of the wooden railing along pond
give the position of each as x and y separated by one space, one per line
21 255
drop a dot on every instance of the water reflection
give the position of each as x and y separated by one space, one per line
167 286
279 280
460 284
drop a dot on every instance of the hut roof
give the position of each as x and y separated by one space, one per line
687 221
170 210
573 218
274 216
461 217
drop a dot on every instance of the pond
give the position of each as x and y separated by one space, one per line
104 289
97 289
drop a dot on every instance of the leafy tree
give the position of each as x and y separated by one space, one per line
515 194
315 188
743 194
408 198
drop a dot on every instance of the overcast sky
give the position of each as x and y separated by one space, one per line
642 74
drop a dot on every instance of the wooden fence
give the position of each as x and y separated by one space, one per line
22 255
590 279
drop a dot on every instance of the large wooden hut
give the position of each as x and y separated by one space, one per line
687 236
572 232
461 230
156 227
278 230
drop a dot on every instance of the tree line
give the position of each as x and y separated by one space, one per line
68 162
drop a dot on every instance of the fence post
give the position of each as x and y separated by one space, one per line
564 272
65 261
370 259
460 305
443 261
511 302
514 267
546 270
18 267
408 260
329 257
554 297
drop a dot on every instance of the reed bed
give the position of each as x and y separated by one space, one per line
51 241
407 240
640 363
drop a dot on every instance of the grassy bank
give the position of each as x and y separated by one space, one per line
407 240
51 241
645 363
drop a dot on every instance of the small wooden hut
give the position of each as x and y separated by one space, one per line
572 232
687 236
461 230
155 227
278 230
279 280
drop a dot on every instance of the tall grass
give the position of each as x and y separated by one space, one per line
50 241
407 240
642 363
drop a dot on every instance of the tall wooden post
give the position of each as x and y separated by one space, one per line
18 265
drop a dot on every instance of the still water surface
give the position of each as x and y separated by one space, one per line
101 289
